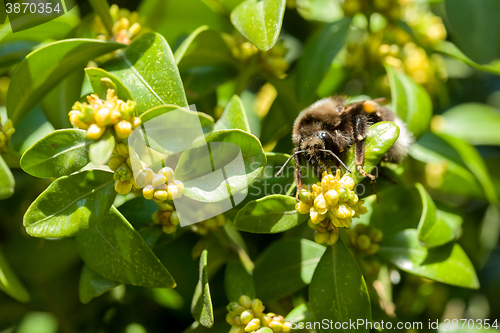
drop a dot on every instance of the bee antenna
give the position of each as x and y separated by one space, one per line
338 159
288 160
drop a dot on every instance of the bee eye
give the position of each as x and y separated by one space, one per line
327 139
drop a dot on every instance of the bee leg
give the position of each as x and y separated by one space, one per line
298 176
359 158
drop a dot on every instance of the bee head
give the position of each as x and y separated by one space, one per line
314 147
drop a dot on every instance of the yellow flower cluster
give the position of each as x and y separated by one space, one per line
167 217
6 131
159 186
212 224
365 239
326 232
99 115
247 316
126 26
334 198
272 61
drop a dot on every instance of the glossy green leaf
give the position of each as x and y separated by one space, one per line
187 43
471 19
473 160
286 266
445 170
148 69
233 117
320 10
397 208
115 250
93 285
30 130
70 205
318 54
14 51
478 124
59 101
206 121
435 227
269 215
379 139
10 284
100 86
7 181
237 281
450 49
301 313
44 68
259 21
338 291
410 101
201 307
448 264
100 151
221 156
60 153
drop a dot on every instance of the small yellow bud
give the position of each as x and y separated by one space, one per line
156 217
302 208
115 162
265 320
173 192
374 248
354 200
257 307
8 125
229 319
246 316
332 238
315 216
123 187
348 182
103 117
253 325
140 180
161 195
136 122
287 326
148 192
10 132
237 320
276 326
377 235
320 204
121 149
158 182
174 218
326 183
363 242
94 132
134 29
332 197
305 196
180 186
321 237
245 301
123 129
168 173
342 211
169 229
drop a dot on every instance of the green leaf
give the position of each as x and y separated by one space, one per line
206 121
259 21
338 291
254 161
471 19
201 307
447 172
435 228
70 205
10 284
237 281
319 52
44 68
233 117
186 43
286 266
149 85
269 215
379 139
410 101
60 153
14 51
101 7
101 81
448 264
301 313
93 285
115 250
7 181
451 50
473 160
100 151
59 101
478 124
